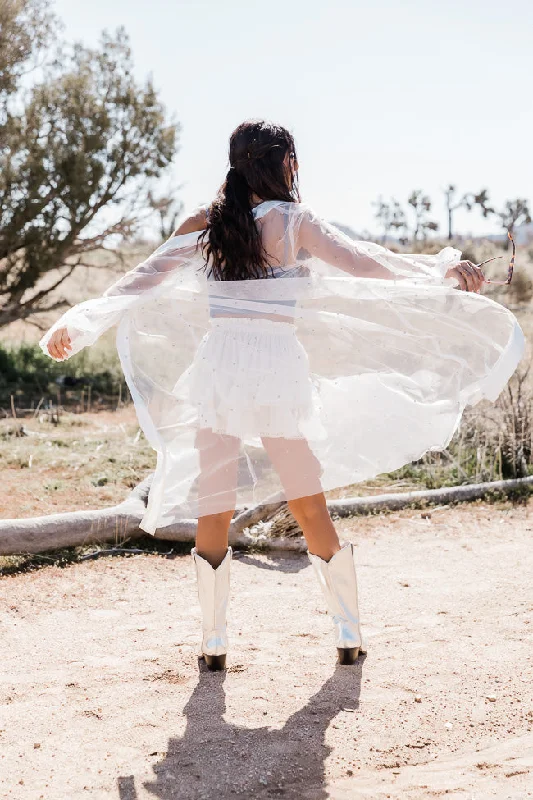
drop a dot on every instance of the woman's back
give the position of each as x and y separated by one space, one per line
275 220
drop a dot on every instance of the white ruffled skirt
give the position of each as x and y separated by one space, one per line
250 378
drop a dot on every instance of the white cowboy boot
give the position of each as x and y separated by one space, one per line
213 594
339 584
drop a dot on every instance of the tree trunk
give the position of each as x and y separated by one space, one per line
269 525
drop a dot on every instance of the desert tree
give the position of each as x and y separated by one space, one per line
79 148
421 205
390 215
467 201
481 199
26 30
453 203
515 212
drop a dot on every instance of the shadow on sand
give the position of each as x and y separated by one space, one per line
277 561
216 759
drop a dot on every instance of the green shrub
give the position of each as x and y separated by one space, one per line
28 374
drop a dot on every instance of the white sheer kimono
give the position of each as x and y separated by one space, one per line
347 361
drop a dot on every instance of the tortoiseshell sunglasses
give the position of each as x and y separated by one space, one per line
511 264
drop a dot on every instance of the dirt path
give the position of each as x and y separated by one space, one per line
102 696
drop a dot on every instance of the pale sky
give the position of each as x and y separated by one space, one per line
382 96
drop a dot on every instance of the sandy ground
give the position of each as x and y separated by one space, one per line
102 694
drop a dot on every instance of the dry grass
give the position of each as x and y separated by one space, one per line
86 461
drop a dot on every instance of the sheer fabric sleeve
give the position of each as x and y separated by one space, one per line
174 253
368 260
87 321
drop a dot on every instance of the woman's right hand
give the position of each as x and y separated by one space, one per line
59 343
469 275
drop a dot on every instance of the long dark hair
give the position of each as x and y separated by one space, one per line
257 150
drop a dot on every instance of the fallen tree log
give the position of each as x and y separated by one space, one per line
118 523
268 525
447 494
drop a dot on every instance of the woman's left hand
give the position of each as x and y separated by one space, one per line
470 276
59 344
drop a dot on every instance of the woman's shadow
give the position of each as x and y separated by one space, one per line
216 759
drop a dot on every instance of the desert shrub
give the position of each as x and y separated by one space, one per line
493 442
521 288
28 374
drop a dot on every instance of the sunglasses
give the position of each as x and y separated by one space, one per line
511 264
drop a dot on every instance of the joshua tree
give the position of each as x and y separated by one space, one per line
453 203
421 205
515 212
390 215
468 201
481 199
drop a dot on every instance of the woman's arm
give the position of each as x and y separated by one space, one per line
83 324
173 253
368 260
176 252
197 221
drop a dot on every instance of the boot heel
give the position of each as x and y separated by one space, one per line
215 662
348 655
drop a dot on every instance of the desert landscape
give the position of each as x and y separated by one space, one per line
116 125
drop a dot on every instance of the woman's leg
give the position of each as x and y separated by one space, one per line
212 536
312 515
216 486
299 472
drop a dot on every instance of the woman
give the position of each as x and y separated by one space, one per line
270 357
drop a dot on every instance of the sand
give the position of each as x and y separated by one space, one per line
102 694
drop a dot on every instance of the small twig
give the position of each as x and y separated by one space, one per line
114 550
38 406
